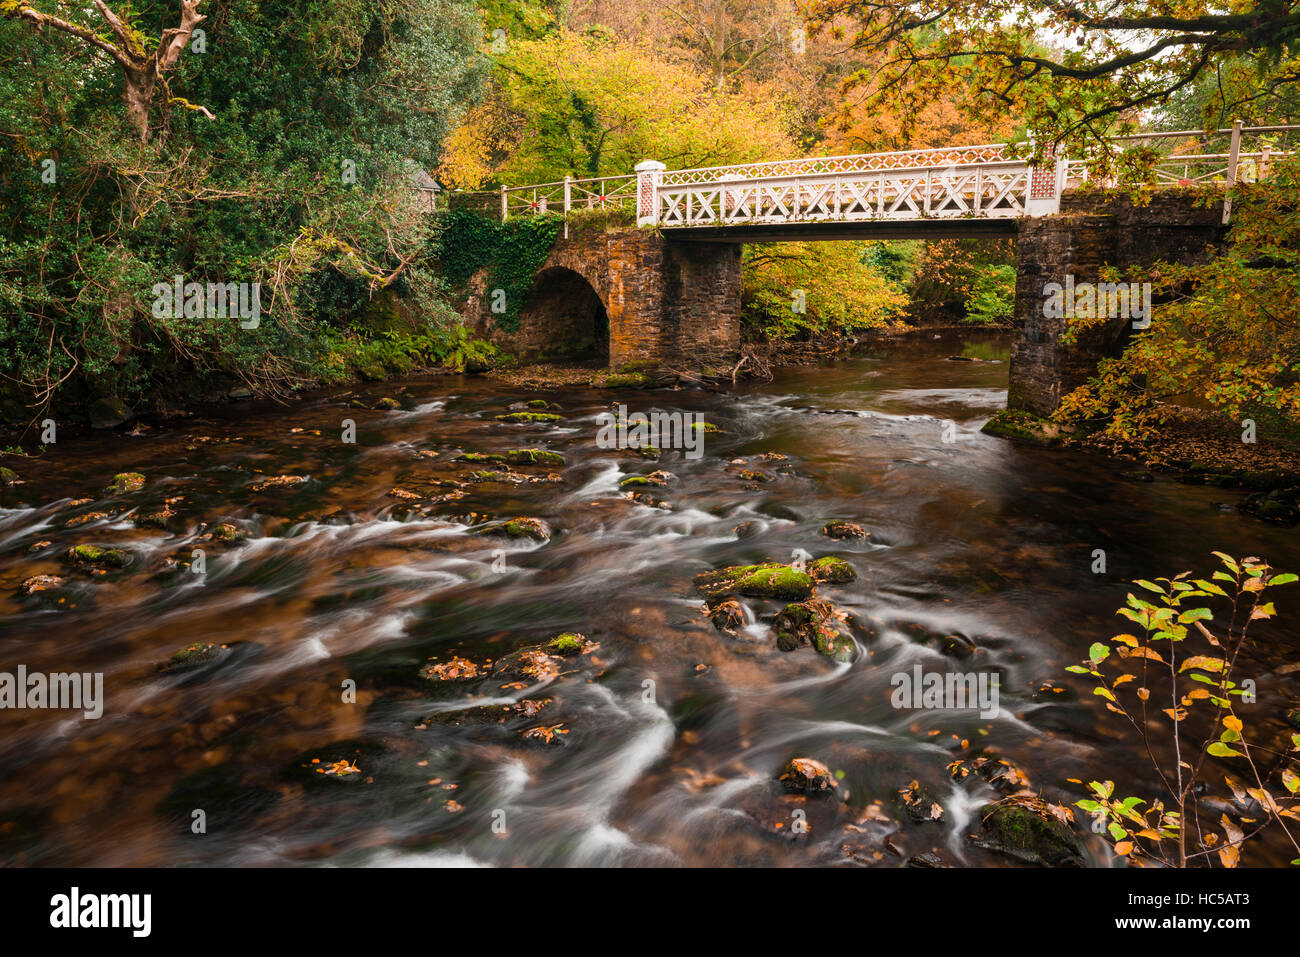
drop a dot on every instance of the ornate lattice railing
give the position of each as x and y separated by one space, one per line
985 181
989 191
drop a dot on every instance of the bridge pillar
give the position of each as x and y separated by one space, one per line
1070 251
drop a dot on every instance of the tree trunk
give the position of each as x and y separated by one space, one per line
137 96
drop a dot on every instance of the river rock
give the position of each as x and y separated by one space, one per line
1026 828
125 482
844 530
40 583
919 804
808 776
768 580
515 457
520 527
109 413
832 570
98 556
529 418
7 475
727 615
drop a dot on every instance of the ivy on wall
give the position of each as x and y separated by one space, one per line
512 252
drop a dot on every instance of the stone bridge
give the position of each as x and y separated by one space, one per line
666 292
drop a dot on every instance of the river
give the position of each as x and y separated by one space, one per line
665 740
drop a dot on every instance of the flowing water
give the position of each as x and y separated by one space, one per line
666 739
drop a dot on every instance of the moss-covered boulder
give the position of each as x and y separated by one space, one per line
842 531
387 404
813 622
1020 426
1293 718
515 457
520 527
656 479
769 580
807 776
627 380
98 556
831 569
7 475
124 482
567 644
1028 830
529 418
191 657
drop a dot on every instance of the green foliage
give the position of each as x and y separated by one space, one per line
511 251
1150 676
803 290
992 301
399 353
1227 337
301 92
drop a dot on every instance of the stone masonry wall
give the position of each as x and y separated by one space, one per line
1093 231
671 305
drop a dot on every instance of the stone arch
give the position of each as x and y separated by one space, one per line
565 317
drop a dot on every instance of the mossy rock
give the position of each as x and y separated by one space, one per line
7 475
515 457
387 404
1293 718
529 418
224 532
657 479
1024 830
96 555
541 404
627 380
796 624
708 428
769 580
569 643
831 569
124 482
1025 427
522 527
198 655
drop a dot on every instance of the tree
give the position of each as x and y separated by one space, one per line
322 109
144 62
589 105
1110 59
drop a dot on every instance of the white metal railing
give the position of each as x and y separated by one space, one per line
985 181
568 194
988 191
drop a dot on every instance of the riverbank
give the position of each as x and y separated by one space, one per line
1194 446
